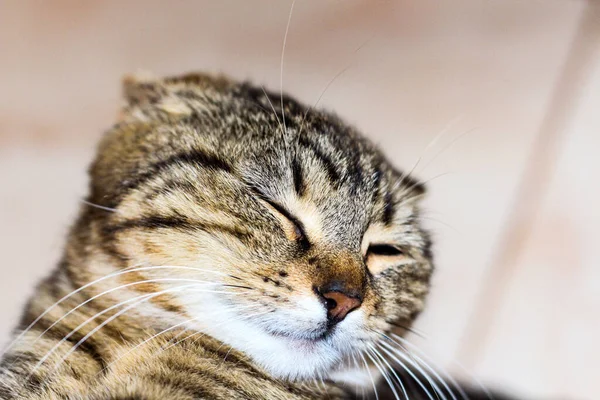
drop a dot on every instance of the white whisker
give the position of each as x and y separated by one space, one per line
408 371
409 188
308 110
370 375
432 143
432 370
221 323
140 298
89 203
331 81
164 331
431 382
446 147
273 108
71 294
384 374
287 28
158 280
392 370
477 381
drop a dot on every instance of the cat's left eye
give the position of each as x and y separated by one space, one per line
382 256
389 250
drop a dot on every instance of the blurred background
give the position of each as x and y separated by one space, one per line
499 100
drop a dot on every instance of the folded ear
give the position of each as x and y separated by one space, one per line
150 98
141 88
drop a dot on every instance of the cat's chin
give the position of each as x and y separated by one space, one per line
299 359
304 344
288 356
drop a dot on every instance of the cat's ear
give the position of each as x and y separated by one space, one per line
148 98
141 88
417 189
408 188
409 193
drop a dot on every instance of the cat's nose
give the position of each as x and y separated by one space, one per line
339 305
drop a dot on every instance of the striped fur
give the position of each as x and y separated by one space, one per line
213 219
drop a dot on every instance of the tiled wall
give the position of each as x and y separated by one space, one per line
513 84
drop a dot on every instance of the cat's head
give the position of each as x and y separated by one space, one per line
269 225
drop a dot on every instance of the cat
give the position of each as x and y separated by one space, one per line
235 244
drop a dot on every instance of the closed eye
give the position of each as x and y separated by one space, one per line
295 228
389 250
381 256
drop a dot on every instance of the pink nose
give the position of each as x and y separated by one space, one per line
339 305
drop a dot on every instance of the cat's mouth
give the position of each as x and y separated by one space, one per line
303 338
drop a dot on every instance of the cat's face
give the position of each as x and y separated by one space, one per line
307 240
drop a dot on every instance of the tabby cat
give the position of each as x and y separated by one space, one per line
235 244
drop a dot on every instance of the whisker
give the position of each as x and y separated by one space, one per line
370 375
272 108
438 392
164 331
287 28
357 367
373 349
312 107
446 147
204 333
409 188
406 328
109 276
138 265
158 280
146 341
384 374
408 371
331 81
477 381
89 203
435 139
433 371
439 221
143 298
112 318
240 319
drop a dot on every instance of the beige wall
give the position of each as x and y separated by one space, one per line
514 84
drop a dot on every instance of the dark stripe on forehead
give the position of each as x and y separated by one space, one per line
195 158
299 184
375 189
388 207
174 222
330 167
172 185
354 161
427 245
376 183
151 222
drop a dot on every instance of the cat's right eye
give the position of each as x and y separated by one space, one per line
293 228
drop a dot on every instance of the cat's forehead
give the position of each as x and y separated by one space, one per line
304 158
330 198
332 180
